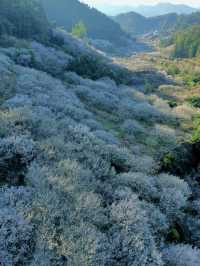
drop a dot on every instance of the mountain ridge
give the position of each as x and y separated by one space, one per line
163 9
89 156
72 11
136 24
102 31
147 10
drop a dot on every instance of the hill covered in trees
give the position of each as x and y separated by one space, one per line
185 21
23 19
164 9
187 43
102 32
136 24
67 13
146 10
82 158
139 25
32 19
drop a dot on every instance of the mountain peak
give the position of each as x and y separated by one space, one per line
164 8
148 10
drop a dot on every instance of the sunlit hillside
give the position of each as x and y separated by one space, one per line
99 149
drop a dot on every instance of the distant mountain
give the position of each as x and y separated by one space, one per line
133 23
163 9
67 13
185 21
136 24
114 10
146 10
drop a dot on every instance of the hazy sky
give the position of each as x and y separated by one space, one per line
141 2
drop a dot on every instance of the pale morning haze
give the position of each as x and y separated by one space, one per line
195 3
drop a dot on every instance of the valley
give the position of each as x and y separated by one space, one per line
174 81
99 148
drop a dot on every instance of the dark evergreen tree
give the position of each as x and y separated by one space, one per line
23 18
187 43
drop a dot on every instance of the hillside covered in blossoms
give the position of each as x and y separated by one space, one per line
85 177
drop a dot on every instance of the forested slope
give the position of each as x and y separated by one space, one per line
138 25
104 33
187 43
164 8
80 178
23 19
67 13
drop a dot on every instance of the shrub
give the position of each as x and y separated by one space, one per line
140 183
145 164
148 87
132 127
7 78
192 79
18 198
95 67
79 30
196 132
17 234
158 221
16 153
173 70
193 226
38 56
164 135
132 239
16 238
174 194
194 101
181 255
99 99
107 137
147 112
168 161
50 60
24 19
187 43
18 145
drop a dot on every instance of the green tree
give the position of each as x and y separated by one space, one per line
79 30
23 19
187 43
